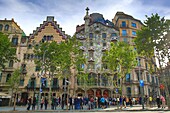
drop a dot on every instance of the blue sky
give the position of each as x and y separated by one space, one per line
29 14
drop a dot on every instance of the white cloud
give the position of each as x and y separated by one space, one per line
29 14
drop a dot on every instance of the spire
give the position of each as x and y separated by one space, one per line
87 14
87 11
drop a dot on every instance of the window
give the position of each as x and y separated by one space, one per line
103 35
32 84
14 41
113 34
133 24
91 43
125 40
138 76
29 46
134 33
148 78
139 61
123 24
128 90
23 68
91 35
104 44
91 54
1 27
25 56
6 27
55 82
146 66
21 82
8 77
156 80
11 63
124 33
128 77
37 68
139 89
153 79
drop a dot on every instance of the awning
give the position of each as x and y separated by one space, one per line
4 95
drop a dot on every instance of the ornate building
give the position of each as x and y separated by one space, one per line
128 27
95 35
30 78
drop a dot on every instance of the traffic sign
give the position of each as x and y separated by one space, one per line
141 83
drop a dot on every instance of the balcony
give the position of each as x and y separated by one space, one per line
8 69
81 37
91 48
114 39
82 48
91 59
104 48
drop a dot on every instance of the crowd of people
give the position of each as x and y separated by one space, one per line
94 102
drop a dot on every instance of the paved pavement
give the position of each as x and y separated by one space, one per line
137 108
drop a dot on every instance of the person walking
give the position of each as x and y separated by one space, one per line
42 103
150 101
34 103
29 102
158 101
163 101
45 103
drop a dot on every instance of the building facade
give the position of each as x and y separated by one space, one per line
95 34
128 27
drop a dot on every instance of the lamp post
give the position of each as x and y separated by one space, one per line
141 85
40 79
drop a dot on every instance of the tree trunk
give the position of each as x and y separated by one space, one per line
14 101
10 100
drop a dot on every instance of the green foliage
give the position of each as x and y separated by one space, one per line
62 55
7 53
121 58
14 80
152 38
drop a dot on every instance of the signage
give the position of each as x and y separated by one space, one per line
141 83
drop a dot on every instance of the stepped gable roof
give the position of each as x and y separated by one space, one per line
50 19
122 15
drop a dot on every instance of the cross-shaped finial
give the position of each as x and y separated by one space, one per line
87 9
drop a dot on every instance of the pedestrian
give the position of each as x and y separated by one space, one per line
102 101
29 102
42 103
158 101
130 102
34 103
121 102
45 103
124 102
163 101
150 101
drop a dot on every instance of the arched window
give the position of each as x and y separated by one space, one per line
15 41
6 27
1 27
11 63
7 77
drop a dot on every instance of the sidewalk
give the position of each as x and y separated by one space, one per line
137 108
110 109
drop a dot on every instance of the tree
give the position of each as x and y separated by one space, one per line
14 82
120 59
153 42
7 52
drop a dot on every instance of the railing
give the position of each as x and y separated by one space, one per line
124 26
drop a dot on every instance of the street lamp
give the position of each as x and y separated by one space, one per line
40 79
